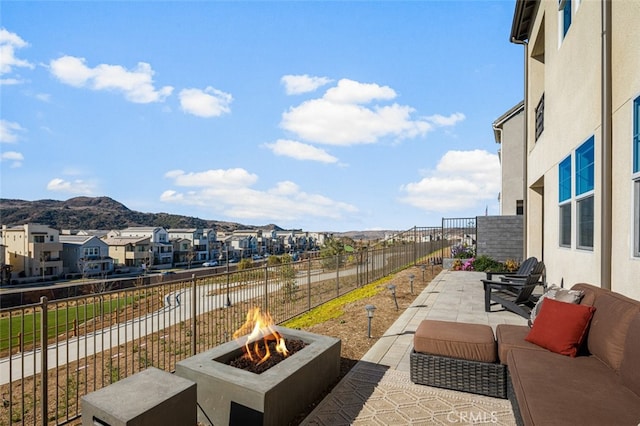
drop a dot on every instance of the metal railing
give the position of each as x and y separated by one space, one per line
55 351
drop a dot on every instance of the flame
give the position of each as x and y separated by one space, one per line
260 325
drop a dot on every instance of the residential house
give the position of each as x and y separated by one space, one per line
161 247
130 251
183 252
86 255
193 245
319 238
32 250
5 268
100 233
295 240
272 243
239 246
508 131
582 139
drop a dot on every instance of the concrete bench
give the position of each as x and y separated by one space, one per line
150 397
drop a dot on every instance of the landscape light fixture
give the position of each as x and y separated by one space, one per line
411 277
370 309
393 293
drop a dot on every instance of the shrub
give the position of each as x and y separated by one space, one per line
484 264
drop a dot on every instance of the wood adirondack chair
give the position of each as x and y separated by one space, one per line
523 271
515 296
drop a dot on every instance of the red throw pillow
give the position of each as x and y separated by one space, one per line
560 326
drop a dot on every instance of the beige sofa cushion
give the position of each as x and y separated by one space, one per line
511 336
609 326
630 366
552 389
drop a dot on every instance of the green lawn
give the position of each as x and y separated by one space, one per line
65 318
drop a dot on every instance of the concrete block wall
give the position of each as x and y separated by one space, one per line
500 237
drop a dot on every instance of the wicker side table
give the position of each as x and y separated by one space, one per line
458 356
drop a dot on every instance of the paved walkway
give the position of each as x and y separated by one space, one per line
378 390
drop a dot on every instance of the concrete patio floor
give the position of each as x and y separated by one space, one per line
378 390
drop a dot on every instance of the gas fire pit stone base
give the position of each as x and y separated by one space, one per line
228 395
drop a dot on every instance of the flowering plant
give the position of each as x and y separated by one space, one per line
462 251
511 265
459 265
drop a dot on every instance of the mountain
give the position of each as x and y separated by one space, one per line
105 213
100 213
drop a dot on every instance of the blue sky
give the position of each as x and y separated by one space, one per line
325 116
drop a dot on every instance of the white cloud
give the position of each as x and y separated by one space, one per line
15 158
353 92
230 178
344 117
9 42
442 120
9 130
136 85
297 84
44 97
462 180
10 81
284 202
77 187
300 151
209 102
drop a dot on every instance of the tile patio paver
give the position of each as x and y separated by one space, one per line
385 392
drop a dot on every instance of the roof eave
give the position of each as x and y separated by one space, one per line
523 20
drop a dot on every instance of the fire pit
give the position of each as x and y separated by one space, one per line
233 396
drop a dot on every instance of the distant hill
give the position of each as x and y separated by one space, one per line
101 213
105 213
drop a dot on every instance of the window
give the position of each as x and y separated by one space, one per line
565 179
540 117
564 7
636 218
636 171
564 193
565 225
585 170
636 135
91 251
585 223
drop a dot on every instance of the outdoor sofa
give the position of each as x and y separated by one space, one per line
594 382
576 363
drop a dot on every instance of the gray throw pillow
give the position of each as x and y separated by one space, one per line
556 293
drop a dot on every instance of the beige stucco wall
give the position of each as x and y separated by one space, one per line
626 87
570 78
511 160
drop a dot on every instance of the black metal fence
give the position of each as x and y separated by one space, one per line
54 352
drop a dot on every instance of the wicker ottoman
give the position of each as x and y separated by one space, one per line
458 356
